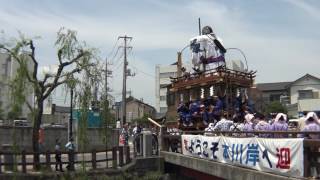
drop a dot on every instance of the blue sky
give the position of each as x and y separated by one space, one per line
279 37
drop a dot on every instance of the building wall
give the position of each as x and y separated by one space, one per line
8 71
163 72
309 105
5 69
304 84
137 110
269 96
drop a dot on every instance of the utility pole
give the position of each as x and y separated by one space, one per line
199 23
105 101
71 118
106 79
124 82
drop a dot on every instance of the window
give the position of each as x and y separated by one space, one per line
163 98
305 94
4 70
275 97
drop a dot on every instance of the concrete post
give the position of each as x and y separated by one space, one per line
147 143
8 158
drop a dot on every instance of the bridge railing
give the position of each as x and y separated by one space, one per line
311 147
24 161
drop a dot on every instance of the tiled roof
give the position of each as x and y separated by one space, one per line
277 86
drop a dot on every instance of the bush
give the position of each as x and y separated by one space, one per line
276 107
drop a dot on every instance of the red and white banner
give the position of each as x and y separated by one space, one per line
280 156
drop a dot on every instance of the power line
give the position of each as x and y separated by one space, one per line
142 71
131 52
118 61
114 46
113 57
119 65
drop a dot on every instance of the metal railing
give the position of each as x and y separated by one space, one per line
311 147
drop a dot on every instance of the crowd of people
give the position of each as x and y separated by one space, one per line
258 122
209 110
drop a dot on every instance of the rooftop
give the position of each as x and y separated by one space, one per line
276 86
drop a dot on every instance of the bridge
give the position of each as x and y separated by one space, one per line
179 161
174 157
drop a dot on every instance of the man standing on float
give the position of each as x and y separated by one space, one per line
207 49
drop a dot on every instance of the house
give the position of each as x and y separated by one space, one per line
304 94
135 109
273 91
298 96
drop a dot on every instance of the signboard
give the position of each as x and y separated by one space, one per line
280 156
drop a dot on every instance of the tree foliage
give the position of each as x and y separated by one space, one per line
108 119
77 67
19 90
143 120
276 107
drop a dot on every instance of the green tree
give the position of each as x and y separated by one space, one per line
18 91
73 57
107 118
275 107
143 120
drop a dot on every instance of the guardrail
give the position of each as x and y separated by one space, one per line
120 156
311 147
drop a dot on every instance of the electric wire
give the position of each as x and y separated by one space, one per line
137 69
113 48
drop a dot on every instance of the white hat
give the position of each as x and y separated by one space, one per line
211 125
312 115
279 115
248 117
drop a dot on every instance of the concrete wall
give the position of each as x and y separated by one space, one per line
23 137
221 170
58 118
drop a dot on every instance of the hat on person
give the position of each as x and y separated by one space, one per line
249 118
279 115
313 116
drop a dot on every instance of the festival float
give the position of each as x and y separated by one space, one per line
215 86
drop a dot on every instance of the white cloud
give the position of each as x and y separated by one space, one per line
310 9
170 26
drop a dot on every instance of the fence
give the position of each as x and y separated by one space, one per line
22 161
311 147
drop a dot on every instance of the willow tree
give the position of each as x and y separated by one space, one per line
73 57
